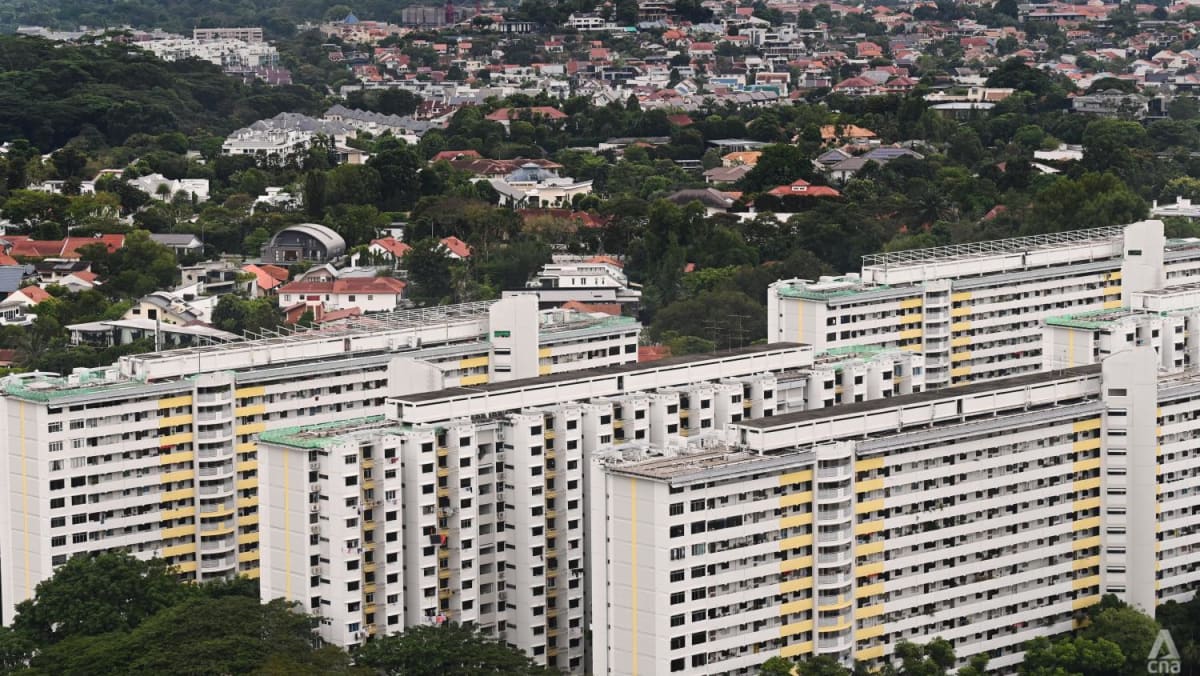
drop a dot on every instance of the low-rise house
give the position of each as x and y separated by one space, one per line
181 244
388 249
369 294
802 188
598 279
162 188
535 186
311 242
726 174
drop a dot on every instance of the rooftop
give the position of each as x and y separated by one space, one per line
706 465
993 247
324 435
1093 319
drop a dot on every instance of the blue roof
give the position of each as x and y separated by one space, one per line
350 18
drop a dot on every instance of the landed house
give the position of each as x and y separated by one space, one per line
267 278
846 169
536 186
389 249
368 294
170 307
713 200
802 188
106 333
311 242
506 115
598 279
162 188
726 174
1112 103
28 296
455 247
181 244
846 133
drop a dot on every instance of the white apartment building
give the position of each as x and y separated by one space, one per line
975 311
158 453
230 54
987 514
483 516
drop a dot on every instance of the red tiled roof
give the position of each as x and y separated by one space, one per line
262 278
514 113
35 294
454 154
613 309
802 188
457 247
349 285
393 246
606 259
653 352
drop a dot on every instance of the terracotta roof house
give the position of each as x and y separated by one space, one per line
802 188
369 294
456 247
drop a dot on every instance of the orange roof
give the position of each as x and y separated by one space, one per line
35 294
605 259
830 132
393 246
802 188
262 278
514 113
457 247
71 245
348 285
613 309
653 352
5 259
275 271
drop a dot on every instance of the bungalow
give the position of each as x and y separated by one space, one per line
455 247
506 115
389 249
369 294
802 188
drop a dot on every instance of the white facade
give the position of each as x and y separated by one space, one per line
148 457
975 311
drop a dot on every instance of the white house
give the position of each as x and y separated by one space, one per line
163 188
369 294
536 186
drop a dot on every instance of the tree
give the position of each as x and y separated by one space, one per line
776 666
448 649
779 164
1093 200
229 634
428 268
236 314
1132 631
98 594
932 659
136 269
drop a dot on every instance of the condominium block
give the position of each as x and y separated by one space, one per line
158 453
975 311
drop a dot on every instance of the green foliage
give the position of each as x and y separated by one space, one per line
136 269
444 650
94 595
238 315
428 267
1091 201
50 93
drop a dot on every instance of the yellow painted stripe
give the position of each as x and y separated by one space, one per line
1086 543
1085 465
960 296
172 421
175 402
960 371
960 326
1084 524
1086 484
960 356
544 369
247 392
868 485
795 499
872 653
868 527
868 612
867 464
634 568
868 632
962 341
178 513
796 541
790 586
960 312
179 550
1086 445
253 409
868 569
788 565
869 548
175 439
910 333
796 477
1084 583
1086 425
1089 562
476 362
172 458
1080 604
796 607
179 531
251 428
795 628
869 506
1086 504
915 318
868 590
1112 304
795 520
910 303
796 649
177 494
478 379
172 477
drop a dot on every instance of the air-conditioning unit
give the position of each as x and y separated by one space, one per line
316 570
315 529
314 488
314 508
314 466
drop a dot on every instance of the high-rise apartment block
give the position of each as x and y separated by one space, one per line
158 453
975 311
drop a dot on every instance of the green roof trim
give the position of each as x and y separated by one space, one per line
306 436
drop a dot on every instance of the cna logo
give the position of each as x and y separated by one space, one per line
1164 656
